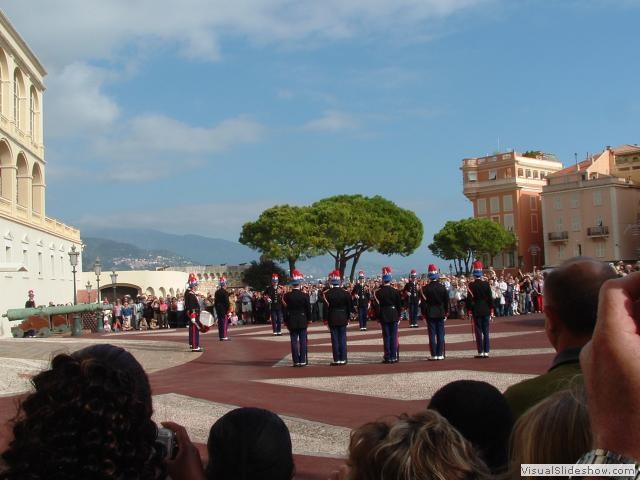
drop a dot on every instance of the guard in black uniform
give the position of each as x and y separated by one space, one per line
412 298
389 301
222 306
337 310
192 309
297 317
480 292
361 297
436 309
274 297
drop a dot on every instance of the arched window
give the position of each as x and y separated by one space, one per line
16 99
1 72
32 113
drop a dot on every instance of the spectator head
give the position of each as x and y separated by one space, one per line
88 417
479 411
422 445
556 430
250 444
571 300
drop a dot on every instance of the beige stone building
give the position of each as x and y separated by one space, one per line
34 252
593 208
506 188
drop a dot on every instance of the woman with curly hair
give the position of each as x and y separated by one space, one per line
89 417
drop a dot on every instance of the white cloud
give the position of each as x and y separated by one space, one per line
98 29
333 121
76 103
151 144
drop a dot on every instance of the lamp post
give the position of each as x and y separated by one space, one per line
97 269
73 259
114 279
76 331
88 287
450 270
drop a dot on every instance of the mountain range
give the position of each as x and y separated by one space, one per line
147 249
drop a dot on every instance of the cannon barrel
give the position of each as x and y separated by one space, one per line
22 313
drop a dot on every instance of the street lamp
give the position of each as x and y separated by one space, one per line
450 269
88 287
97 269
73 259
114 279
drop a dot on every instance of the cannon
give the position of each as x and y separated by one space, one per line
44 320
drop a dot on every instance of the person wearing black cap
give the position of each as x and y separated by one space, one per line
337 309
390 302
298 316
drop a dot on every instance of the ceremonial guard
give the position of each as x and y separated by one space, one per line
274 298
479 293
297 317
337 309
412 298
361 297
389 301
222 306
192 308
435 300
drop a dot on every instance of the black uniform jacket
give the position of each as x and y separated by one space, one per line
339 306
481 298
390 301
436 300
191 304
298 309
221 300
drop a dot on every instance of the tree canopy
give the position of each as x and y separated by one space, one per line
283 233
349 225
343 226
462 240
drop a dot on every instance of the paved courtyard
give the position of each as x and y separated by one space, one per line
319 403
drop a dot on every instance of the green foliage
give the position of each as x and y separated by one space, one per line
462 240
349 225
258 275
533 154
284 233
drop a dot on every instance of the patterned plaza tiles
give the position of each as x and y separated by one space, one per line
320 403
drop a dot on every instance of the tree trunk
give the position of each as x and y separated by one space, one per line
356 259
292 265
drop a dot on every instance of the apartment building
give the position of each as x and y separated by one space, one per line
593 208
506 188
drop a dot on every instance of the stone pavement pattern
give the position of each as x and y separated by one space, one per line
319 403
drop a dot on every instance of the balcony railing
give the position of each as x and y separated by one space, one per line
598 231
558 236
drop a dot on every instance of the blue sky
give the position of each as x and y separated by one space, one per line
194 116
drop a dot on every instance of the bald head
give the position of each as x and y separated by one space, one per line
571 292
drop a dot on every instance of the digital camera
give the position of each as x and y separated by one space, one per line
167 438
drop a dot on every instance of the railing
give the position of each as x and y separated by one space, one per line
598 231
562 236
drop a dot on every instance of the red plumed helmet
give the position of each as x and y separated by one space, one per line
413 272
275 278
297 277
334 277
477 268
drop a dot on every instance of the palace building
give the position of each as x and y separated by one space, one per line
35 248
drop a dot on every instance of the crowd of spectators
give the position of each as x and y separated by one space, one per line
89 415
